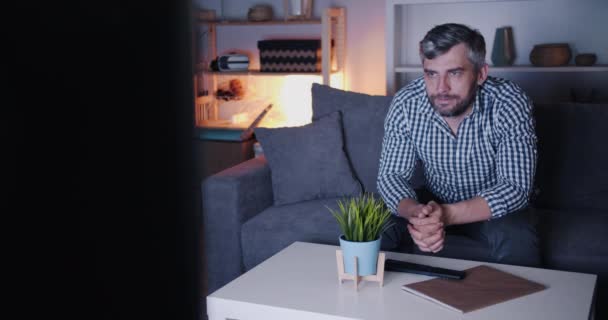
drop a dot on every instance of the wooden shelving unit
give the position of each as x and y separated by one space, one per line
401 13
201 69
332 56
258 23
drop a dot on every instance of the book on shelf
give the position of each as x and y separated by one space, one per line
483 286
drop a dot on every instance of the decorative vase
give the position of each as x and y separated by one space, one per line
503 51
366 253
297 9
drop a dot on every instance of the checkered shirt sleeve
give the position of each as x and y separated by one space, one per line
397 159
516 157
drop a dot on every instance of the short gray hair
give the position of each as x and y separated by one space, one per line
442 38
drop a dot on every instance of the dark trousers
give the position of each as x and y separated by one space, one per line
511 239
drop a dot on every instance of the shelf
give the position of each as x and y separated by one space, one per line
407 21
332 52
258 73
407 2
200 68
258 23
526 68
332 45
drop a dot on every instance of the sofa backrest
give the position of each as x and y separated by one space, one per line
572 171
363 123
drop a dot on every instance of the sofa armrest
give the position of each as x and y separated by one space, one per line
230 198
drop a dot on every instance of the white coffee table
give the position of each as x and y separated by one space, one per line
301 282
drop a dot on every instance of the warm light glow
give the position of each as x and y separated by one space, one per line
290 96
295 101
337 80
239 118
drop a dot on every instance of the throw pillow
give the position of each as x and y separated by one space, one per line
363 121
308 162
326 100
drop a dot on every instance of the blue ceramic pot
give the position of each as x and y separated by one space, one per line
366 253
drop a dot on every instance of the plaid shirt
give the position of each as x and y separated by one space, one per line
492 156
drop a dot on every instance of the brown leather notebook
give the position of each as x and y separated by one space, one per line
483 286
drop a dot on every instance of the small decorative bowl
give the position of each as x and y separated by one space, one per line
585 59
550 55
260 12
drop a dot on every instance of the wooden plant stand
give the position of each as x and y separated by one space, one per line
378 277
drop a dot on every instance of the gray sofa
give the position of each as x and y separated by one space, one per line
243 227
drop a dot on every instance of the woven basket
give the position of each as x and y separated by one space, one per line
550 55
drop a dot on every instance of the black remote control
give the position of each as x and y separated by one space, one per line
402 266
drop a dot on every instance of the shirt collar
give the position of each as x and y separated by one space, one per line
425 106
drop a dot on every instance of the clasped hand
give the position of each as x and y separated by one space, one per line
426 226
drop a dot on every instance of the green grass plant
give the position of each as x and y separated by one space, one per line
362 218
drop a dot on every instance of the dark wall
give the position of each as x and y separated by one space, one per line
99 96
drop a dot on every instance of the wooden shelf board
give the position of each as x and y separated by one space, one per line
259 23
200 68
524 68
259 73
413 2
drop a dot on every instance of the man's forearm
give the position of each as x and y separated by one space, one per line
467 211
407 207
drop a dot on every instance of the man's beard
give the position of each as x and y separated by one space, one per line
461 106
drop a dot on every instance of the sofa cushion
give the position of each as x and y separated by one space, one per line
310 221
279 226
574 240
363 120
308 162
571 171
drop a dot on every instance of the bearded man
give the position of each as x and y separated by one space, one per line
475 137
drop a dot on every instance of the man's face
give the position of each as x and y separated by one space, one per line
451 81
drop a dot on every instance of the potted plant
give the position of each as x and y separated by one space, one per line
362 221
